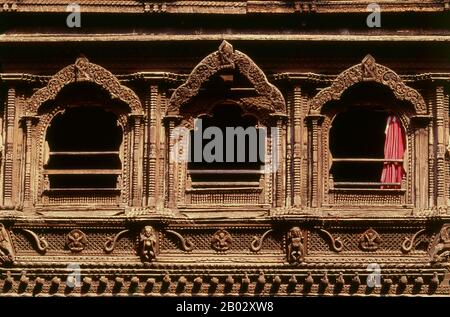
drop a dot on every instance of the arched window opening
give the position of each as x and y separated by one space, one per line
232 156
83 145
367 147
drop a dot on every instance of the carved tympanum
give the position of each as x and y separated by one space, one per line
368 70
227 58
81 71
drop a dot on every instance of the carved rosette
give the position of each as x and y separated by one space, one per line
76 241
221 240
370 240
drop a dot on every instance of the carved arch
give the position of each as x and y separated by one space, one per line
368 70
227 58
81 71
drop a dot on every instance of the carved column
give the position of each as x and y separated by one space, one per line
289 150
171 197
447 145
268 168
420 127
162 158
136 169
431 169
29 125
279 159
315 191
8 152
297 152
146 149
152 151
441 184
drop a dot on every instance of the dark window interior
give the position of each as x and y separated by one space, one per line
84 129
80 140
246 172
358 133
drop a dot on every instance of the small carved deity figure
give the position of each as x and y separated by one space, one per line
370 240
221 240
76 240
6 248
295 248
368 67
226 52
148 243
441 251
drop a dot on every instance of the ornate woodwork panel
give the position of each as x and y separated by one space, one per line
320 123
293 233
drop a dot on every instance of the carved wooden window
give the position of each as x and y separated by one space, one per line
83 145
353 138
357 141
227 78
231 168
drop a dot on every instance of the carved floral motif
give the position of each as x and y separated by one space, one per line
370 240
221 240
76 240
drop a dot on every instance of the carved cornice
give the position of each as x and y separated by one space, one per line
226 58
299 283
225 7
368 70
83 71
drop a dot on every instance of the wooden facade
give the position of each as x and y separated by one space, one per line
89 119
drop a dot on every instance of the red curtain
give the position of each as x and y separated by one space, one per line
394 148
